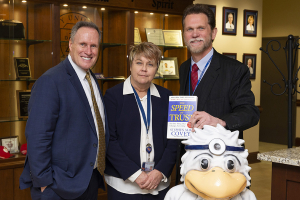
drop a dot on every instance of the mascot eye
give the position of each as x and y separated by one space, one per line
204 164
230 165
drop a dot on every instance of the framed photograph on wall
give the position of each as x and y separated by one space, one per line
250 61
169 67
229 25
250 23
230 55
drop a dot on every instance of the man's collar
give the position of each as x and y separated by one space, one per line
201 63
79 71
127 88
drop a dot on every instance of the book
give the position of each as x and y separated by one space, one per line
180 111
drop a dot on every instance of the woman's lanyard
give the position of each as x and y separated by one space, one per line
201 76
146 121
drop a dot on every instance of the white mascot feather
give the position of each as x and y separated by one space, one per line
214 167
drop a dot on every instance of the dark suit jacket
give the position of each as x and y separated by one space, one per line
224 92
123 153
61 134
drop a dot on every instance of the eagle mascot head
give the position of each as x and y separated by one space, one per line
214 167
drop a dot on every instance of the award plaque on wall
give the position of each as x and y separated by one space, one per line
137 36
172 37
11 143
22 68
23 97
155 36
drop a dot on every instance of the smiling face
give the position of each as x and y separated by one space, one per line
84 47
142 71
197 34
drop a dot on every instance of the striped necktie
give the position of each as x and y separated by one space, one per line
101 137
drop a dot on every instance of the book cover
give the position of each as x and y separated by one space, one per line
180 111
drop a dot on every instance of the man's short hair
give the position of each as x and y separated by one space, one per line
197 9
146 49
81 24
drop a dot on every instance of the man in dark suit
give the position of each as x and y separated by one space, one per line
221 84
66 118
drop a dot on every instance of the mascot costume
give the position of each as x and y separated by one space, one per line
214 167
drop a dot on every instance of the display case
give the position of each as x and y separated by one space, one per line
40 31
25 33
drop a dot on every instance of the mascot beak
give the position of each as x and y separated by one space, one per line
215 183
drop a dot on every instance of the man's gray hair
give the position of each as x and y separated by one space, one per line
80 24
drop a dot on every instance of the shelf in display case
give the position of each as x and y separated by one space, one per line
11 119
22 41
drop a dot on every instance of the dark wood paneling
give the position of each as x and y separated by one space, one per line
278 188
297 142
6 184
161 6
285 182
252 157
18 193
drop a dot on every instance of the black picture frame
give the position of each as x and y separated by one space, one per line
250 15
230 55
252 57
227 27
23 97
22 68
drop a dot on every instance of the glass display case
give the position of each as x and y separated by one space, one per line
34 36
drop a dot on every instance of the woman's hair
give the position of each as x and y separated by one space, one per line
250 17
146 49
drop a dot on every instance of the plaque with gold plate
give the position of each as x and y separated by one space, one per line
22 67
172 37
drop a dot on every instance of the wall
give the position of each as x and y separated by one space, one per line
240 45
283 26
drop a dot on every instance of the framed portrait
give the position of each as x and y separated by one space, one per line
229 25
11 143
250 23
250 61
169 67
230 55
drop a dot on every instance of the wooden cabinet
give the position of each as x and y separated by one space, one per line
47 26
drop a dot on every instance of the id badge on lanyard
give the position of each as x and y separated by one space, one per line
146 166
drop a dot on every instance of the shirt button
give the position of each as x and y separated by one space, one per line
92 164
95 145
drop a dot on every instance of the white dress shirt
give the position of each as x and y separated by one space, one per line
129 186
86 87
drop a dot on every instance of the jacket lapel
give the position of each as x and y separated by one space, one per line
185 77
207 82
79 89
